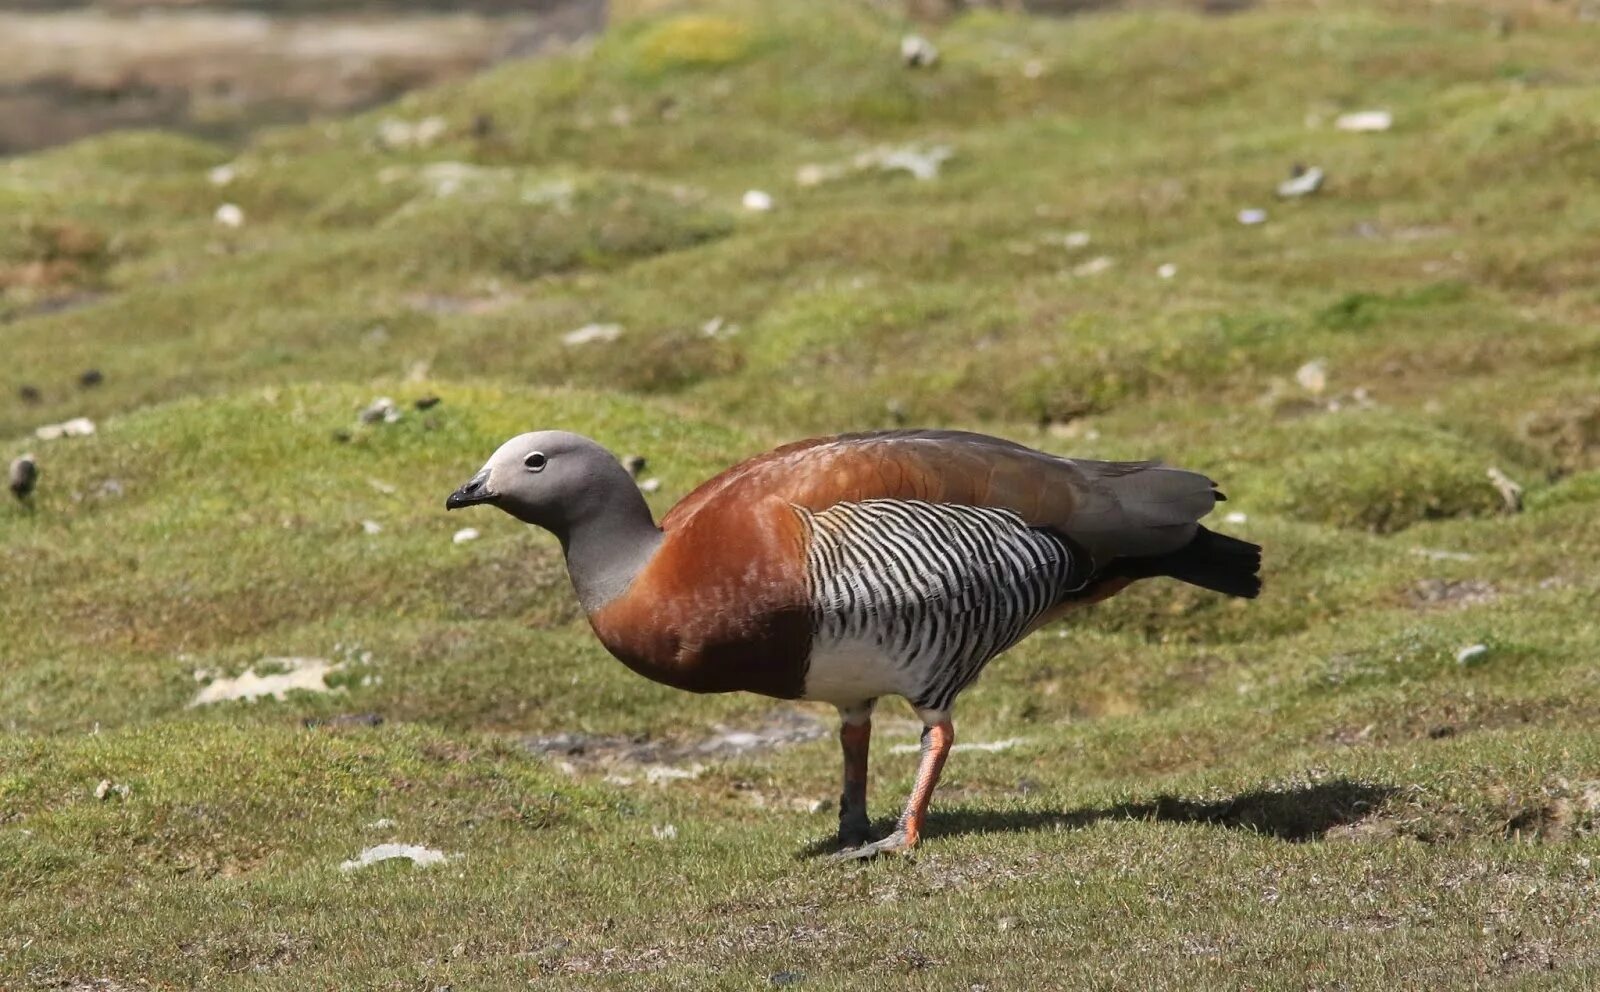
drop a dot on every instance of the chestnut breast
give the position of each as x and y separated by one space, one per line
722 606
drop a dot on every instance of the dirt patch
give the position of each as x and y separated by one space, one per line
67 74
783 728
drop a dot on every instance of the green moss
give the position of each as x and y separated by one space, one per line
693 41
1380 474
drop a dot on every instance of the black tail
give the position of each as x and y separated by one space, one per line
1211 561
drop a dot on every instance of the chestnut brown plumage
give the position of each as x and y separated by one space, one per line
847 568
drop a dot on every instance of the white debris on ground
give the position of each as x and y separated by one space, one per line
590 333
650 485
658 774
988 746
382 824
416 854
1365 120
229 215
717 327
1509 489
1236 518
76 427
464 535
107 788
665 831
1033 68
918 52
447 179
1434 554
1304 182
299 674
222 175
1471 653
395 133
1251 216
1313 376
1094 266
371 527
381 409
917 161
757 200
1070 239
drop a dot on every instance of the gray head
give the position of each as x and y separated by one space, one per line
577 490
552 479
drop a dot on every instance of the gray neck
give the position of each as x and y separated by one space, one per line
608 545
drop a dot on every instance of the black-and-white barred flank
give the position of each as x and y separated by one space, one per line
937 589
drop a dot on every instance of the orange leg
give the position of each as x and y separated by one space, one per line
936 741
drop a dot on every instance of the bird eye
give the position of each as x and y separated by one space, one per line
536 461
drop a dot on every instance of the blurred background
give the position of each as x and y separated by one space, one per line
276 278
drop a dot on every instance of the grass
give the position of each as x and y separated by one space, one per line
1307 791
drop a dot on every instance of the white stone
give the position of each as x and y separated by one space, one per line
222 175
757 200
1166 270
371 527
229 215
1313 376
1365 120
76 427
1251 216
464 535
1471 653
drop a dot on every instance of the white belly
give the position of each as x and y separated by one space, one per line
847 672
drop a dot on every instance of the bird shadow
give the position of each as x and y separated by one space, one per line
1295 814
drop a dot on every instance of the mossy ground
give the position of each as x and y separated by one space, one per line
1307 791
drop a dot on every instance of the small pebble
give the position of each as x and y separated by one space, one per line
918 52
107 788
1236 518
1166 270
464 535
1252 216
229 215
1313 376
371 527
1304 182
222 175
23 476
381 409
1471 654
757 200
650 485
